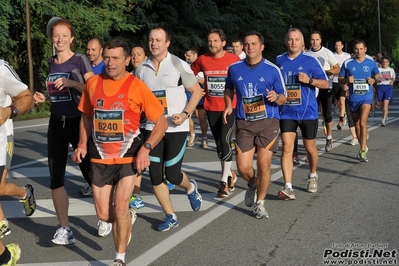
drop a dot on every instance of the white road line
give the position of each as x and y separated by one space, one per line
85 207
166 245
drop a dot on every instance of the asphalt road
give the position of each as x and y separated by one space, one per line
355 211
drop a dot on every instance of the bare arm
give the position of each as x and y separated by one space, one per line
142 159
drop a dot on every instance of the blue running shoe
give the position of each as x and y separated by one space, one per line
136 202
168 223
195 197
170 185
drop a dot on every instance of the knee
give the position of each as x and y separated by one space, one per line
174 177
120 209
103 214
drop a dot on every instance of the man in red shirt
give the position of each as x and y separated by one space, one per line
214 65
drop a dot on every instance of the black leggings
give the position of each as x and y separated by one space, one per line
62 132
351 123
168 153
222 133
325 100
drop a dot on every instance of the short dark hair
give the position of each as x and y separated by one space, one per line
386 58
257 33
316 32
238 40
168 35
193 49
96 39
115 43
358 42
221 33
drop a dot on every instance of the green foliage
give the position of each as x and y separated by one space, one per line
189 22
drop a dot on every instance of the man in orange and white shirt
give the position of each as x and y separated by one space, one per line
111 105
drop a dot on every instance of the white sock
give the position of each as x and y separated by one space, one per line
289 185
312 175
329 137
191 190
192 134
120 256
67 228
226 170
261 202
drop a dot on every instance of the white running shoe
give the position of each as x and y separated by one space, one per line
63 237
104 228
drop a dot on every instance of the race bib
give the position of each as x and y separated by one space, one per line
360 86
293 94
55 94
216 86
108 126
161 96
254 107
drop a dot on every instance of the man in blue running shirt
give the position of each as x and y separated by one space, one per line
260 90
360 73
302 73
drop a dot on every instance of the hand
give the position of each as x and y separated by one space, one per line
78 154
4 115
227 112
271 95
178 119
351 79
303 77
39 97
142 160
62 83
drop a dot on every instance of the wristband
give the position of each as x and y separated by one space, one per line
82 146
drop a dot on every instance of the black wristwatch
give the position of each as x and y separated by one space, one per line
14 111
148 146
187 114
310 81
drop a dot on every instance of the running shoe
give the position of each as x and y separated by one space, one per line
250 196
86 191
191 140
63 237
133 217
339 125
136 202
204 143
233 144
15 252
286 194
336 109
231 180
29 201
170 185
104 228
362 155
354 141
383 123
168 223
329 145
259 211
345 120
223 191
118 263
324 128
295 159
195 197
312 184
5 229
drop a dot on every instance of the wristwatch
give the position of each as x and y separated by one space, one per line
187 114
14 111
148 146
310 81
